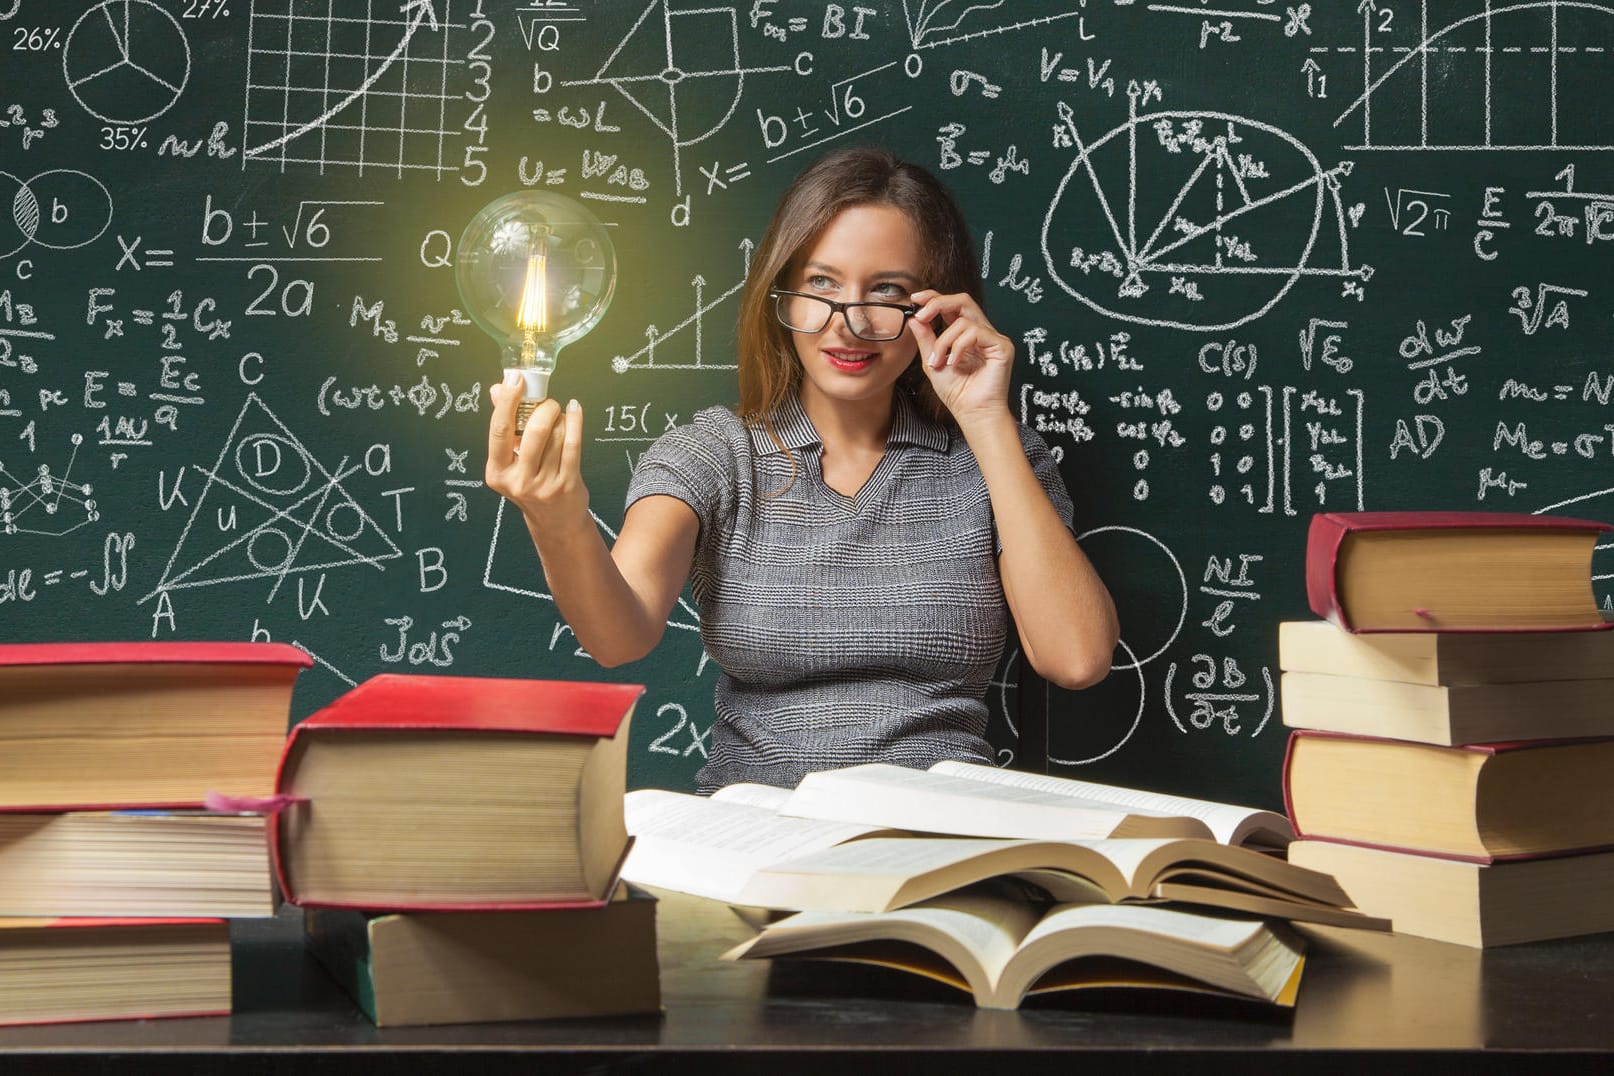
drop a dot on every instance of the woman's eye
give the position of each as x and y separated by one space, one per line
820 283
895 293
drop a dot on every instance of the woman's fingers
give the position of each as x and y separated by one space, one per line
502 427
933 304
535 440
926 337
964 328
552 466
571 452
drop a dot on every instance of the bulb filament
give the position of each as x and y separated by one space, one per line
533 316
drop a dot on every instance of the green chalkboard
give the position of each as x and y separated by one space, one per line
1260 259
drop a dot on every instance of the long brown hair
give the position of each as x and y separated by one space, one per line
855 176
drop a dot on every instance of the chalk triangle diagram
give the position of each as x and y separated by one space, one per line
1212 190
270 509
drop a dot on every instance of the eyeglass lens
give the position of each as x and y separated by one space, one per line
871 321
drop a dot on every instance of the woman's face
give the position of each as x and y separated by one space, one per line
868 253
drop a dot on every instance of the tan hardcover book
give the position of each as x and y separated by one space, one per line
1000 949
75 969
1449 713
1452 571
1480 802
143 724
1474 904
436 793
408 969
1449 658
135 863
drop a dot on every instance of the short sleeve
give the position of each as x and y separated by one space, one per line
694 463
1046 468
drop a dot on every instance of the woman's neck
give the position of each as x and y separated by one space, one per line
860 425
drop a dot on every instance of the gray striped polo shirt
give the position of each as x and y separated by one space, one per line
848 629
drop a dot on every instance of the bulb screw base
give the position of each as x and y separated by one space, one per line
534 390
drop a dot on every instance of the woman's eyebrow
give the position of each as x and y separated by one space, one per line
888 274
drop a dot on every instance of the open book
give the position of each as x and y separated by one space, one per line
967 800
1000 949
879 874
731 848
711 846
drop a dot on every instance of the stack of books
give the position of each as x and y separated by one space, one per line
456 843
115 884
1454 723
1000 883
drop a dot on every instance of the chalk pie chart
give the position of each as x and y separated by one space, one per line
126 61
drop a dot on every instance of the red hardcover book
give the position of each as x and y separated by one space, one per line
1481 803
106 725
1452 571
434 793
72 970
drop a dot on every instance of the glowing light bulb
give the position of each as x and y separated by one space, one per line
536 271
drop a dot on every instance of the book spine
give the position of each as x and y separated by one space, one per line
1288 794
1323 540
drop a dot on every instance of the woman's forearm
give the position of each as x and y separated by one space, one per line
1063 611
605 613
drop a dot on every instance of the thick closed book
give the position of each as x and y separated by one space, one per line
1452 571
1449 714
424 793
67 970
1475 904
142 724
409 969
1001 949
1446 658
1479 802
135 863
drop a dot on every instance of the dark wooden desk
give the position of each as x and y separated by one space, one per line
1367 1003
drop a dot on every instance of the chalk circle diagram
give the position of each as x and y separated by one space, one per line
126 61
269 509
1105 717
1097 730
1124 555
61 209
1200 221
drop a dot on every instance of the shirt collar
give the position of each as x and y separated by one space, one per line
797 432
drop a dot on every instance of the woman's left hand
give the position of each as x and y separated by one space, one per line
968 362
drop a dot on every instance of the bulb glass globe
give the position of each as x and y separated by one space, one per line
536 270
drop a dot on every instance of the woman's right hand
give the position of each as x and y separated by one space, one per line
541 474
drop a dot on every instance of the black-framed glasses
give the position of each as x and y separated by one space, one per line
875 322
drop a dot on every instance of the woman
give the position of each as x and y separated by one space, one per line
859 531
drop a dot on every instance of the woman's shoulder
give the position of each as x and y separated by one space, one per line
712 434
710 425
